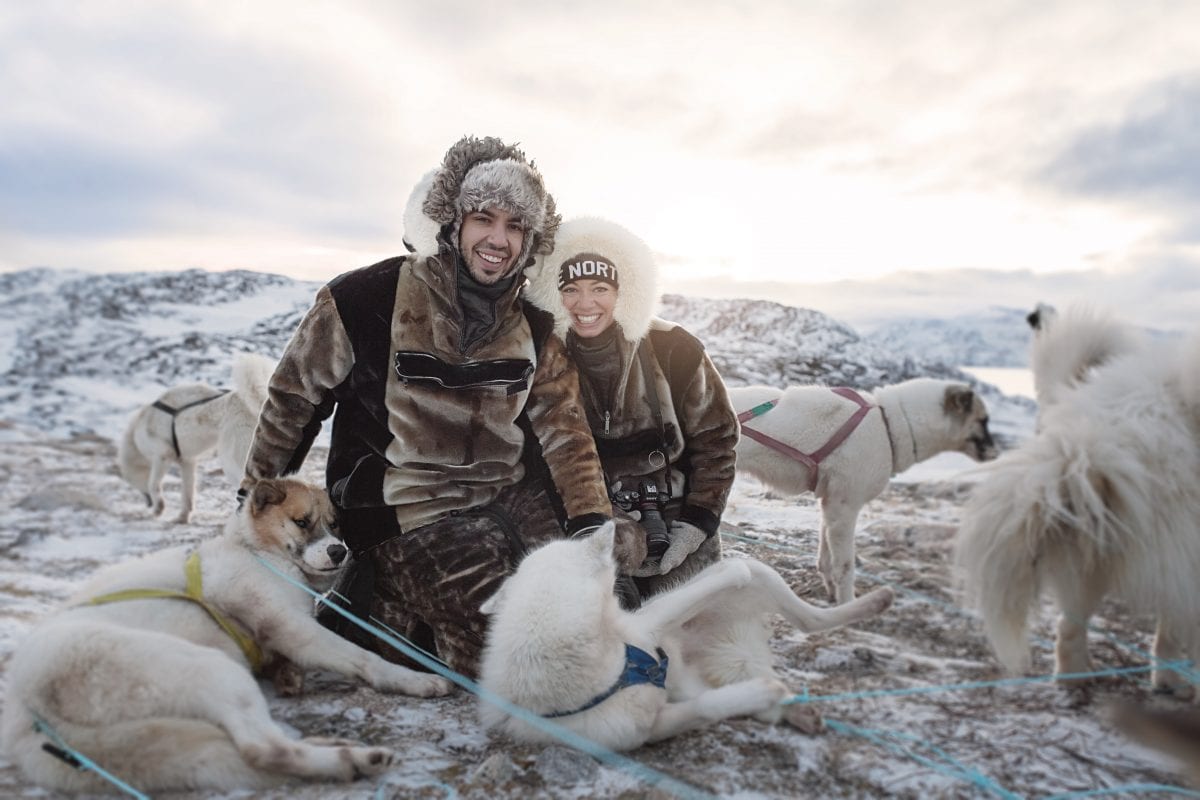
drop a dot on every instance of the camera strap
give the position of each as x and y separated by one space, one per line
646 358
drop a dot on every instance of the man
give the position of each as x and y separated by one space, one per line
436 378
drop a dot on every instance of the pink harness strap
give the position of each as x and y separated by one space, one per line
810 460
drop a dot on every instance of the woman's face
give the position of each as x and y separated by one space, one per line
589 306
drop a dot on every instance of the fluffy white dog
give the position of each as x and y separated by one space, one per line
1104 498
1066 349
157 689
560 646
904 423
185 424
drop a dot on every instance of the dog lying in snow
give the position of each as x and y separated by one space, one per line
560 646
1104 498
899 425
158 693
185 424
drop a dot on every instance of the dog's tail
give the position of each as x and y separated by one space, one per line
1066 347
131 461
251 373
1047 510
808 617
148 754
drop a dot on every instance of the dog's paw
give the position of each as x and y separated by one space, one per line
287 678
184 518
369 761
804 718
431 686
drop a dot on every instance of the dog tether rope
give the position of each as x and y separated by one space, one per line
64 752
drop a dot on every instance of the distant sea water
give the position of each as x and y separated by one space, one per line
1010 380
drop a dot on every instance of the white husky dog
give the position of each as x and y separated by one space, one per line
1104 498
560 646
185 424
157 689
904 423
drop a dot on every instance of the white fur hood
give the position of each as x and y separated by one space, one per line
637 295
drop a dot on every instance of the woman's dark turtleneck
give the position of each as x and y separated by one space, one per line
599 361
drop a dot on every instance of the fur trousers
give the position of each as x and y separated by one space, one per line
430 581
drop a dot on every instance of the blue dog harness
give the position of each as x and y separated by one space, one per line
640 667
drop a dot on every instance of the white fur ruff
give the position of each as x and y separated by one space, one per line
637 295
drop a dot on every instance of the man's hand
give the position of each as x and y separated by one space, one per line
685 539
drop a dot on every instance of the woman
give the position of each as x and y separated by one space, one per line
662 421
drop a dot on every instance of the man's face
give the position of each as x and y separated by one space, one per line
490 242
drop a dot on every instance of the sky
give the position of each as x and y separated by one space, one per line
756 144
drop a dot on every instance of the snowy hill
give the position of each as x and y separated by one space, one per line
998 337
83 350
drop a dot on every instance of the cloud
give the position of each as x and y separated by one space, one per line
1150 155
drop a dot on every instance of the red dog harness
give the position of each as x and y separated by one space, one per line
810 460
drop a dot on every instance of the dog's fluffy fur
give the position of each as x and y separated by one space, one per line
557 639
924 417
156 693
1104 498
225 423
1067 348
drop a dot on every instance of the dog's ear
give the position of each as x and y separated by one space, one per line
266 493
490 605
602 540
959 400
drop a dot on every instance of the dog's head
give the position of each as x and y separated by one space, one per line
295 521
969 415
1041 316
583 569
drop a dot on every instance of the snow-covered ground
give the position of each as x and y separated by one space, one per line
65 512
80 354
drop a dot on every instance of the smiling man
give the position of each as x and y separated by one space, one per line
443 384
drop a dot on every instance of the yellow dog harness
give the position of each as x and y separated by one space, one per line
195 593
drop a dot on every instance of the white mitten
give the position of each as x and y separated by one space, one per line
685 538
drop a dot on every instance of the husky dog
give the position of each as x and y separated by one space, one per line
146 669
903 424
560 646
1104 498
1067 348
185 424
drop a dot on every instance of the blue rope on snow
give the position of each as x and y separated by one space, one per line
41 726
805 697
951 768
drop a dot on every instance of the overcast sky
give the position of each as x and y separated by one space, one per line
808 141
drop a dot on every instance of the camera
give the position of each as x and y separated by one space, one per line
648 500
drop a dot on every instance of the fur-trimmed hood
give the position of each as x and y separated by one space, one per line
637 293
479 174
420 232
